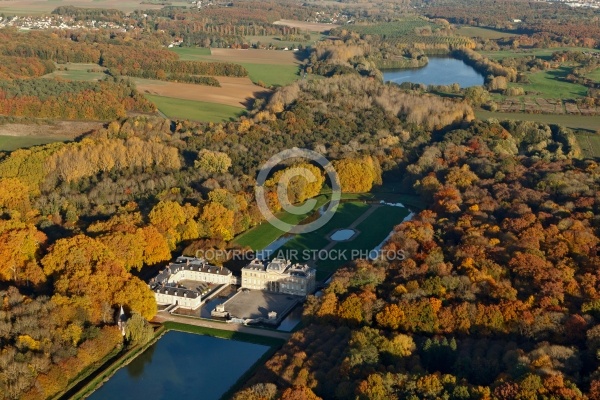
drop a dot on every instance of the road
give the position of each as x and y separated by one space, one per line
162 317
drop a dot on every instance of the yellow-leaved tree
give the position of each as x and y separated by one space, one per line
358 175
89 274
302 181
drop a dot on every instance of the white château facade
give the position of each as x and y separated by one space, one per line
279 276
166 286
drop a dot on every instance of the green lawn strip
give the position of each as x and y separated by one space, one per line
570 121
105 374
195 110
223 334
264 234
10 143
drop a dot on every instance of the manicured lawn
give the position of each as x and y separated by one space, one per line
345 215
549 84
485 33
224 334
262 235
373 231
10 143
272 75
570 121
194 110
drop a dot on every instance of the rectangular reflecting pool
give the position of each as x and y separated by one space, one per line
182 365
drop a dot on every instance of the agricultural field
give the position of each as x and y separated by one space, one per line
484 33
276 40
406 32
194 110
19 135
33 7
589 123
234 92
590 144
77 72
271 67
545 54
306 26
10 143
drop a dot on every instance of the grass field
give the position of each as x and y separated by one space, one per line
570 121
272 75
277 41
545 54
590 144
10 143
549 84
373 231
195 110
306 26
485 33
33 7
271 67
262 235
77 72
345 215
595 75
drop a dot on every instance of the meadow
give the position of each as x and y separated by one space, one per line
570 121
270 67
194 110
36 7
484 33
595 75
77 72
10 143
590 144
549 84
545 54
306 26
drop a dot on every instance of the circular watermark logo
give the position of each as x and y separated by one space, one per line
284 183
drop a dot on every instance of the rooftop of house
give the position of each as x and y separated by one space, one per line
281 266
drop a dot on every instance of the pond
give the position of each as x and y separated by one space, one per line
439 71
182 365
342 234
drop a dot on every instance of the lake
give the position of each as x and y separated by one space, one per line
439 71
182 365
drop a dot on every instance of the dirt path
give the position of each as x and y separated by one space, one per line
164 316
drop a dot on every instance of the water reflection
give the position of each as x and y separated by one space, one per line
439 71
182 365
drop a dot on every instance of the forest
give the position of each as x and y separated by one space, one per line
498 295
